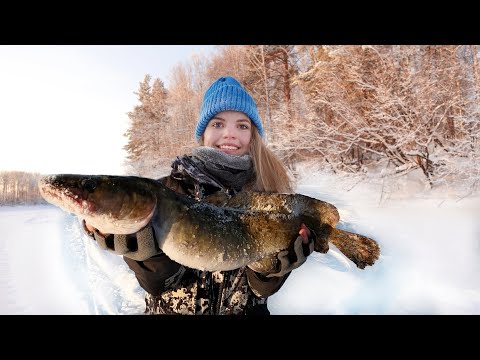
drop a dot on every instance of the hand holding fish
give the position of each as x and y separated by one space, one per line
303 246
91 229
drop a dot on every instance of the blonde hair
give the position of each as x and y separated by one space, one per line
271 174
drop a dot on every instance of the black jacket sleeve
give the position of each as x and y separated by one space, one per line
153 272
263 286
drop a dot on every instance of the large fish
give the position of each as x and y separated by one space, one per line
220 233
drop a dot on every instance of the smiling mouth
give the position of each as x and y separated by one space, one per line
228 147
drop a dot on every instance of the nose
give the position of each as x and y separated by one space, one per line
229 132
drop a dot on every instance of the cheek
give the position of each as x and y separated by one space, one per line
209 138
245 138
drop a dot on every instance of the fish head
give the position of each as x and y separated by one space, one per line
112 204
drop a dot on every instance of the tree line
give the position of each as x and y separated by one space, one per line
354 109
18 187
347 108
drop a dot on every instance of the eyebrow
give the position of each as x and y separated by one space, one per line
246 120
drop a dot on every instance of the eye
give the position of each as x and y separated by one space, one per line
89 185
217 124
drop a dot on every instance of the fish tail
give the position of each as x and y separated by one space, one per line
360 249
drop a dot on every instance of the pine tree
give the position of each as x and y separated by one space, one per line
144 144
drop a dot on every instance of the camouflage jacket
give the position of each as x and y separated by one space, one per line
172 288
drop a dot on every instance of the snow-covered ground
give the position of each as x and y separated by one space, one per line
48 266
430 262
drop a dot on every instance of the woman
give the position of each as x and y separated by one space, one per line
231 157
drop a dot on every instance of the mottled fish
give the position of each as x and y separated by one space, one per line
220 233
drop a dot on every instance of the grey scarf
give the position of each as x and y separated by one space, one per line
232 171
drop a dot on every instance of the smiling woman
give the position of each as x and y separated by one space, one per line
231 158
230 132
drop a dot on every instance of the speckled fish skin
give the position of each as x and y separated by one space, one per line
320 216
212 235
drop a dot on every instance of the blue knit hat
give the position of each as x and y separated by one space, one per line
224 94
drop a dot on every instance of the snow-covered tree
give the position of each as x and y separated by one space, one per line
145 139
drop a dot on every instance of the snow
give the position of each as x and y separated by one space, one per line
429 264
48 266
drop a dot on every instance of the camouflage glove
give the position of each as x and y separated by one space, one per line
301 252
138 246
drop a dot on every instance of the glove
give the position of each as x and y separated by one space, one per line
301 252
138 246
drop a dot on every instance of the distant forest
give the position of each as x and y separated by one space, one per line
18 187
373 110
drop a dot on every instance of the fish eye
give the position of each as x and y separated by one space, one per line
89 185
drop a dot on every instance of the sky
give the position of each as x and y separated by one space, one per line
63 109
429 262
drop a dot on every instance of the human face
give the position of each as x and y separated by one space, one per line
230 132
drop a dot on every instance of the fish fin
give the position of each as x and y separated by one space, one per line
121 227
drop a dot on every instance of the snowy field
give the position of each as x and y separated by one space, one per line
430 262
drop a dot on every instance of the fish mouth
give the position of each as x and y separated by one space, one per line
70 199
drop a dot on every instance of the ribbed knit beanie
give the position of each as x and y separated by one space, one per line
224 94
